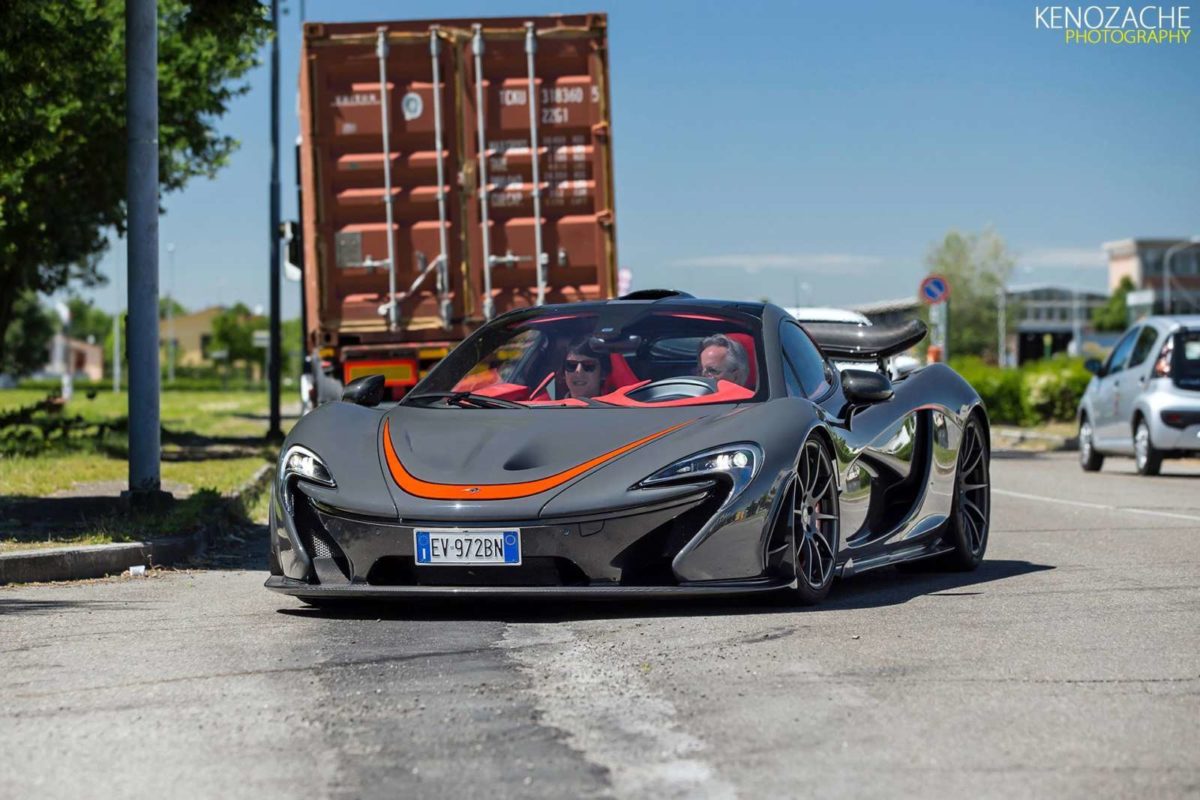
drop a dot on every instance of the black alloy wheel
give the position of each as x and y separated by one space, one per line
816 522
971 515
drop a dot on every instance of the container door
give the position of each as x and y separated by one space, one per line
570 103
350 159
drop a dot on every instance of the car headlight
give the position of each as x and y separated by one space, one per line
737 463
302 463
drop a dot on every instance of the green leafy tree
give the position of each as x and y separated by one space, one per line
233 331
976 265
27 340
1114 315
62 125
87 321
177 308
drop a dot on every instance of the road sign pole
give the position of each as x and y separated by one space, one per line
946 330
141 180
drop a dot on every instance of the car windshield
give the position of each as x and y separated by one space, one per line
609 356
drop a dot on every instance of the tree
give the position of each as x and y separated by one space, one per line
177 309
27 340
62 125
1114 315
233 331
87 321
977 266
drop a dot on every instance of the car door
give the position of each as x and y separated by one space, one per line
1109 432
1137 372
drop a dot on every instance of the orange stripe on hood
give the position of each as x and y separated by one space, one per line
498 491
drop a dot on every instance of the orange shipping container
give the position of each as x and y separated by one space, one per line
465 245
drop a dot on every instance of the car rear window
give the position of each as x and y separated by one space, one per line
1186 368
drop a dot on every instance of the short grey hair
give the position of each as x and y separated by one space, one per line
733 351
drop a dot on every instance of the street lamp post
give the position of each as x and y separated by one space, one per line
274 432
141 115
1171 251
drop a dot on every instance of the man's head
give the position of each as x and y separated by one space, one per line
725 359
584 370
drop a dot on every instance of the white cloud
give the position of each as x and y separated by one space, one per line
1064 257
831 263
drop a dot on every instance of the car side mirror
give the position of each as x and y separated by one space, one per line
365 391
1094 366
864 386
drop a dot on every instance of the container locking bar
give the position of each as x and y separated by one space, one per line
381 52
539 259
489 305
443 277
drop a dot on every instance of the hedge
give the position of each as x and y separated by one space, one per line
1040 391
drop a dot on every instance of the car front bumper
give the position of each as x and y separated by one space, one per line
318 550
363 591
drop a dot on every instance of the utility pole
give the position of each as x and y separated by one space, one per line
117 353
1076 323
1171 251
274 432
171 315
141 181
1002 324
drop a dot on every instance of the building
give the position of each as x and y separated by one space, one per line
1044 318
1142 260
1049 318
192 334
83 360
887 312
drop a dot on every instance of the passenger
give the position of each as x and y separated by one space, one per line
725 359
584 370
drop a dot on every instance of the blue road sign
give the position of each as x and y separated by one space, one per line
934 289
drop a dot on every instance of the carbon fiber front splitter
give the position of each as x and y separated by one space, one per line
278 583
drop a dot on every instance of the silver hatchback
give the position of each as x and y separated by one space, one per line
1145 399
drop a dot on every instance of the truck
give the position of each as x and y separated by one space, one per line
449 171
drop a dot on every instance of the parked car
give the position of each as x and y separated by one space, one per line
1145 399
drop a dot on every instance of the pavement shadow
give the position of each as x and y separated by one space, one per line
884 587
17 605
38 519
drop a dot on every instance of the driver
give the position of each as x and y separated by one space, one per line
584 370
724 359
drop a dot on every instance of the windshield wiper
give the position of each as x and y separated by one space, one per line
467 400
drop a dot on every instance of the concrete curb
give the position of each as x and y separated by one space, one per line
99 560
1008 435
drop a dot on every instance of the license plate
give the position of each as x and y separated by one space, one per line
499 547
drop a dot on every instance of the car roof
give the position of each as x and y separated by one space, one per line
666 300
1166 322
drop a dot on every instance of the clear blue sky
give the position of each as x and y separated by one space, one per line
759 145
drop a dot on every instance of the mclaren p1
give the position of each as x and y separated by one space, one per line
655 444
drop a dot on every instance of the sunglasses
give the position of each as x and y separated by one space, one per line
573 366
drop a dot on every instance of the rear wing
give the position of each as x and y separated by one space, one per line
864 342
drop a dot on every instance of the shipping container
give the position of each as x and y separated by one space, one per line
450 170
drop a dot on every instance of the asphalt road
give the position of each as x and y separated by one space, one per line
1068 665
